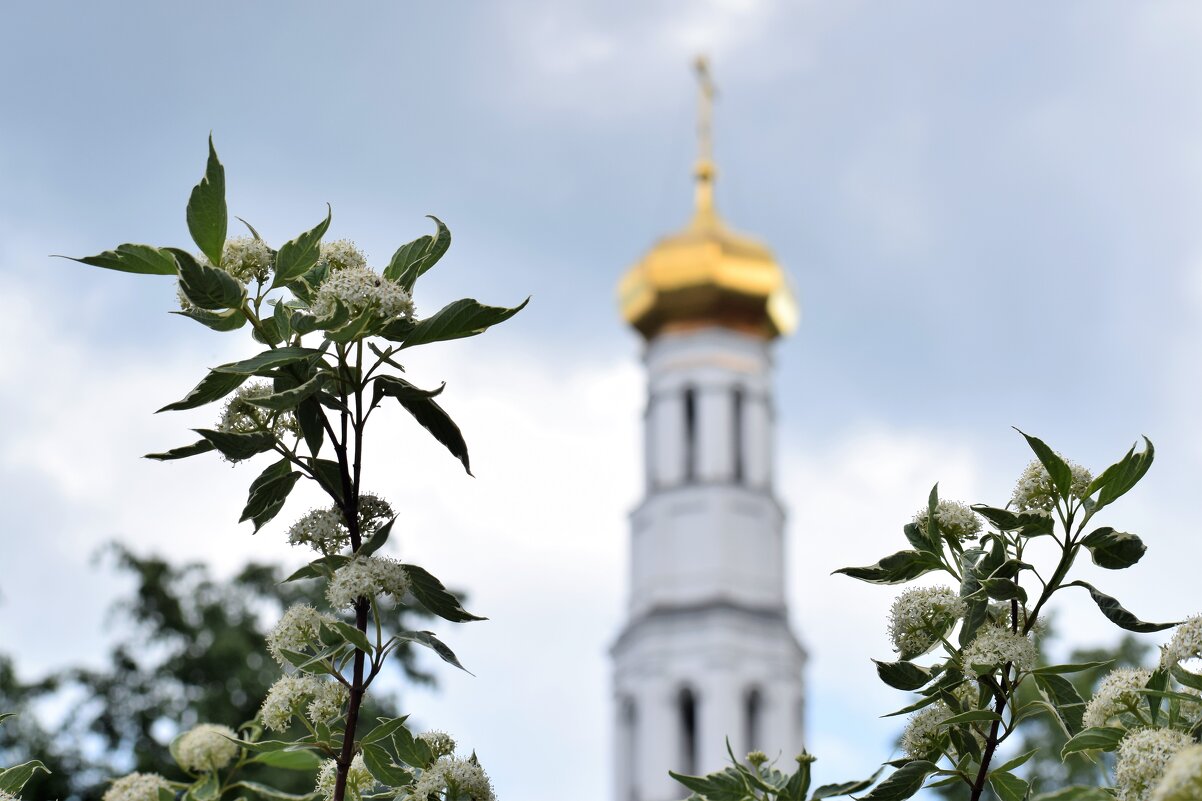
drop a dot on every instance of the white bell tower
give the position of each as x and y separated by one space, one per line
707 653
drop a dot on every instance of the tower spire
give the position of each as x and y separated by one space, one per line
704 171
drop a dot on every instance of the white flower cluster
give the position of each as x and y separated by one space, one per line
954 518
1116 693
360 289
341 254
358 779
321 529
136 787
463 777
1185 644
1182 778
1034 491
440 743
922 735
920 617
6 796
285 698
1143 755
247 258
241 417
993 647
373 511
299 628
367 577
206 748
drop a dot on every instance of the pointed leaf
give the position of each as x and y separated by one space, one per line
903 675
132 258
213 386
1060 473
289 759
1096 738
436 598
1008 786
1121 476
228 320
1114 550
206 287
383 769
895 569
14 779
462 318
436 645
1064 698
207 220
1117 615
844 788
266 361
289 398
432 417
182 452
269 492
903 782
237 447
297 256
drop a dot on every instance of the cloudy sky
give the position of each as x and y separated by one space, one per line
991 216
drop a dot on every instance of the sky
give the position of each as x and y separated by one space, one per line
990 214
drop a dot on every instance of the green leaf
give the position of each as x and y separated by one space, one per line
1018 761
393 387
1121 476
726 785
1117 615
386 728
798 784
461 318
289 398
282 316
1186 678
895 569
357 328
377 539
1076 792
1114 550
902 675
330 474
1008 786
289 759
13 780
844 788
351 635
6 715
1064 698
412 750
263 363
309 417
1158 683
1060 473
414 259
324 566
972 716
268 493
237 447
208 288
431 594
903 782
132 258
213 386
297 256
271 792
385 771
207 218
1001 589
917 536
182 452
1094 739
436 645
229 320
1029 524
434 419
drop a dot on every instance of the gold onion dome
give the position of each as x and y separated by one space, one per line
708 274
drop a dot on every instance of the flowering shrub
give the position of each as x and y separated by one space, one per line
982 634
330 329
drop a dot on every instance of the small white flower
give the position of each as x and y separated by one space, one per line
954 518
206 748
440 743
367 577
920 617
1142 757
922 736
247 258
4 796
329 697
1116 693
467 778
1034 491
361 289
321 529
1186 643
284 700
358 779
993 647
373 511
136 787
341 254
1182 778
240 417
299 628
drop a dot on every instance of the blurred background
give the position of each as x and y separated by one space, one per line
989 214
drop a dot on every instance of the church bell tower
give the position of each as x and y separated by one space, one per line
707 653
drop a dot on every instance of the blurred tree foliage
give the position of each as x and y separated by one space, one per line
191 650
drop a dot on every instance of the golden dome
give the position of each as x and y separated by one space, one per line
708 274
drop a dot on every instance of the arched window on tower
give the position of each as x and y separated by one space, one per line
737 436
630 735
686 704
753 713
690 435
